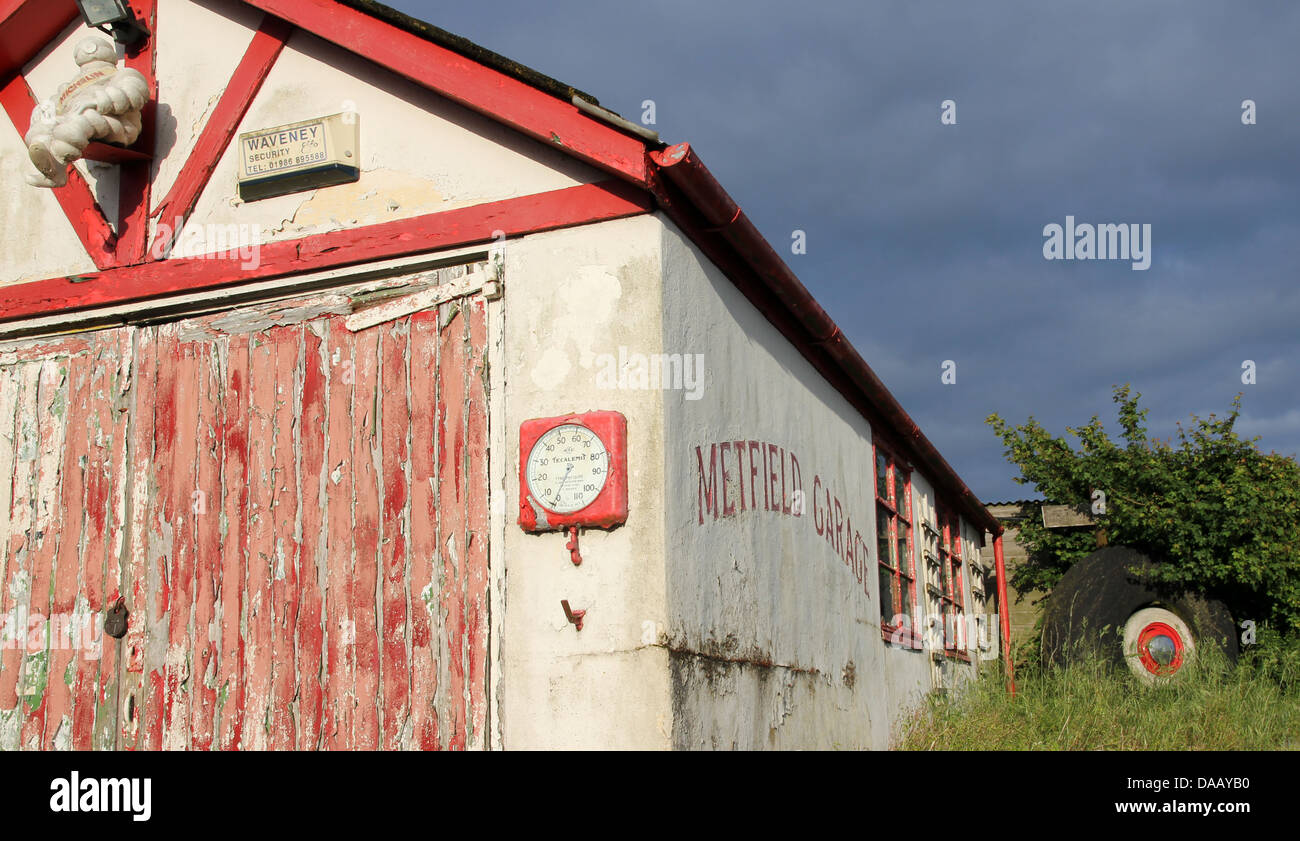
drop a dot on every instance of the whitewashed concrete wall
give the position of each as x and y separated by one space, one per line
774 640
751 629
571 296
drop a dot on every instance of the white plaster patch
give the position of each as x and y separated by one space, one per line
383 192
583 307
551 369
599 290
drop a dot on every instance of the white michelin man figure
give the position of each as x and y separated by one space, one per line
102 103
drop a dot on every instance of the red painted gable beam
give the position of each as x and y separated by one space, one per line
78 203
581 205
220 128
482 89
134 186
26 26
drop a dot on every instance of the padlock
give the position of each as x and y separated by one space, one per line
115 620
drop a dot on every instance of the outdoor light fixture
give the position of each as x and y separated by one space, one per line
113 17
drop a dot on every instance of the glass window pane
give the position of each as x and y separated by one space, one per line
882 471
883 555
886 595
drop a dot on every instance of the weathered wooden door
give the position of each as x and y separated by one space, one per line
62 507
296 514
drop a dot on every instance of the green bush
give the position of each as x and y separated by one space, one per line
1273 657
1223 517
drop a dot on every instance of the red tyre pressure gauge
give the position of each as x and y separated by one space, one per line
573 472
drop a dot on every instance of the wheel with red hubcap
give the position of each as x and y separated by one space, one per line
1157 643
1103 604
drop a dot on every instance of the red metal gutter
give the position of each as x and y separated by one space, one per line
1003 613
722 216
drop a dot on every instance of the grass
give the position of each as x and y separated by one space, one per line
1093 705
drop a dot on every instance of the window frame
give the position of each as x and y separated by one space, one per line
886 506
953 598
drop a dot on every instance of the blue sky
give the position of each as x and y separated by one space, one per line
925 241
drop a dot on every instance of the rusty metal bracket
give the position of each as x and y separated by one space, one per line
572 546
574 616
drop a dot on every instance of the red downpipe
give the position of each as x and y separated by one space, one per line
723 216
1004 614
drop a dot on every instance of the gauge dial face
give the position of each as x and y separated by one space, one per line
567 468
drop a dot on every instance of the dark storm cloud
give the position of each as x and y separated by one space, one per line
925 241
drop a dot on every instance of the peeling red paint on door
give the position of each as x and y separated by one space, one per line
62 457
302 519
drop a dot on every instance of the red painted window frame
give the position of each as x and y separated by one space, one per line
953 599
903 632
